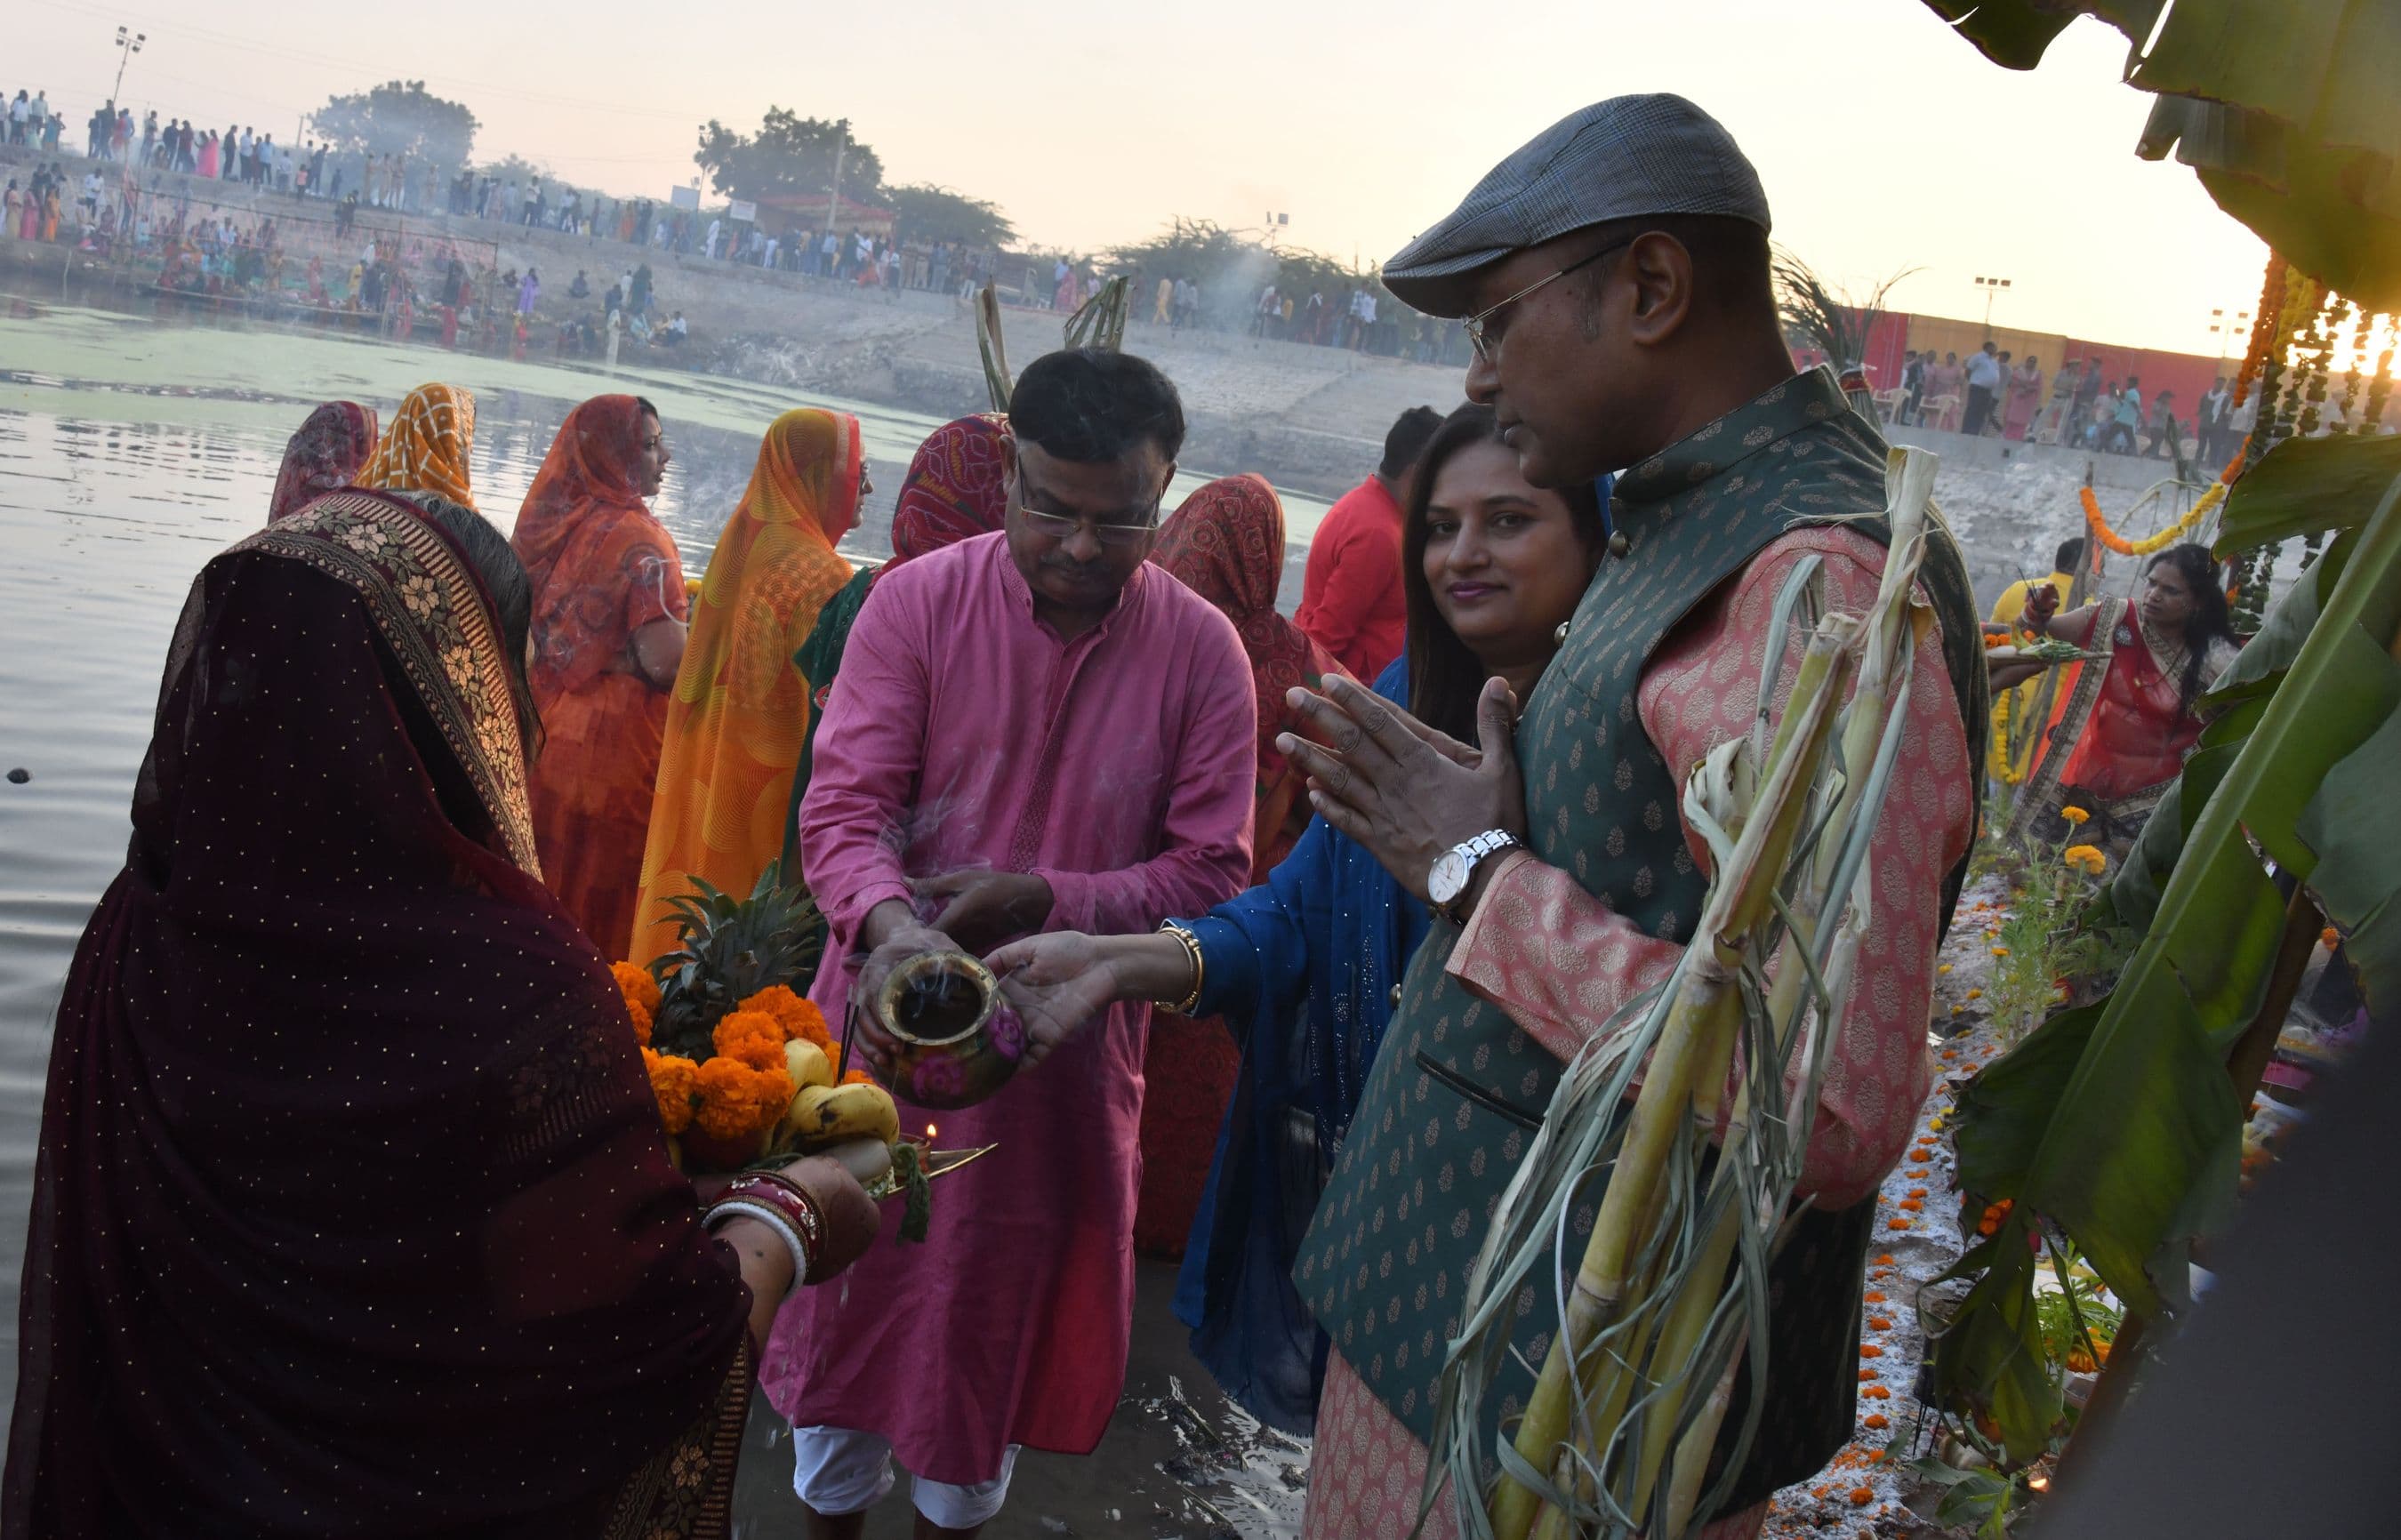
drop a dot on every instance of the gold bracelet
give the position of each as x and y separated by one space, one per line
1200 969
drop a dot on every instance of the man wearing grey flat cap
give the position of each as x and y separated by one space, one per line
1613 278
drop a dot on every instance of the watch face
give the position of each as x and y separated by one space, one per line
1447 877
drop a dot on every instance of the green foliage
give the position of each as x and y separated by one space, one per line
922 211
398 118
728 950
2053 932
1982 1498
2118 1122
908 1175
2076 1317
789 154
1232 267
1817 314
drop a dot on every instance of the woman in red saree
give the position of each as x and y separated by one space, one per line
1227 545
328 452
740 710
352 1212
2133 716
608 632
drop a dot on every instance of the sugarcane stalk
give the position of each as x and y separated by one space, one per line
992 348
1707 1002
1688 1320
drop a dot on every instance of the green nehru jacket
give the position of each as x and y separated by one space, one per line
1458 1087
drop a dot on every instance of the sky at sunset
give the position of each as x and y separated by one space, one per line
1885 141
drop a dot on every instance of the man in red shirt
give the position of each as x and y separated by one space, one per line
1351 601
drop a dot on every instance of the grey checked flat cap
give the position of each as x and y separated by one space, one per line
1622 159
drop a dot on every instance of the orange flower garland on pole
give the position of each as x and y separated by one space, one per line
2202 508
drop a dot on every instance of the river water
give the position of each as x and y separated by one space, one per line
133 448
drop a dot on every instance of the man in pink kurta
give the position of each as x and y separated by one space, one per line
1031 730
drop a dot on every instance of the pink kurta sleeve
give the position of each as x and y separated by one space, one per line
868 750
1204 840
1560 961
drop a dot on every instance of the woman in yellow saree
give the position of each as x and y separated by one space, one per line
740 708
426 447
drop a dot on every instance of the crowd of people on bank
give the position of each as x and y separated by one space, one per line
1302 918
1989 396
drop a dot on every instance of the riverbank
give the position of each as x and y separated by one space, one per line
1310 420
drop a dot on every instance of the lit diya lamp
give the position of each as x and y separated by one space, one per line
955 1041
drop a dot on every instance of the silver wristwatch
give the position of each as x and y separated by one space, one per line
1447 880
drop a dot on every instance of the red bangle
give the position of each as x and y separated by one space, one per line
773 1190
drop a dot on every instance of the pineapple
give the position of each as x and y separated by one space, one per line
732 948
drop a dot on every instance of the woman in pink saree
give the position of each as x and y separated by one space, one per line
2024 398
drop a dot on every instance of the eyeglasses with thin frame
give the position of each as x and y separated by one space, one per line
1486 349
1063 526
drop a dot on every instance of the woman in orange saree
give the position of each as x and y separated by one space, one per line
607 635
740 710
1225 543
426 447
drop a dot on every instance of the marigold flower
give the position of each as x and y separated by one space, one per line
1872 1296
640 1016
752 1037
1944 968
859 1077
1866 1374
674 1080
1879 1323
1868 1350
2001 951
1921 1155
2076 817
798 1017
1895 1224
2086 858
1876 1393
1863 1496
738 1101
2330 937
1916 1193
635 983
1912 1204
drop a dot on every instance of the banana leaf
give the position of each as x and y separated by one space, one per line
2281 108
2118 1123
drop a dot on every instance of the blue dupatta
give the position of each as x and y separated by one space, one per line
1302 968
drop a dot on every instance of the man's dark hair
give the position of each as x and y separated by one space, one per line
2069 557
1088 405
1407 440
1731 268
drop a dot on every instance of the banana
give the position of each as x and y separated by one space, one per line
807 1064
822 1114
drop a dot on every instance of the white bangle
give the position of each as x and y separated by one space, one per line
732 1208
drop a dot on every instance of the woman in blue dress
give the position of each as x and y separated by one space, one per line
1305 968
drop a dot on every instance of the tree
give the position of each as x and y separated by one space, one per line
922 211
398 118
789 154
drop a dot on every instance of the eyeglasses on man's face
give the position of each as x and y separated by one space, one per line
1116 533
1487 343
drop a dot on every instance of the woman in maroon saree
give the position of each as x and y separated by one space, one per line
353 1213
325 456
